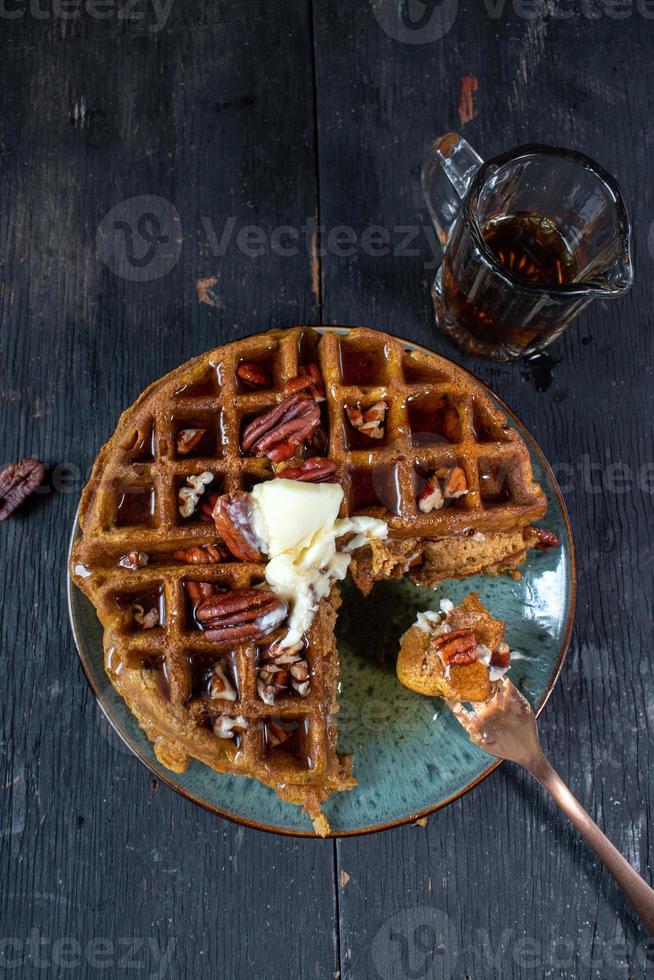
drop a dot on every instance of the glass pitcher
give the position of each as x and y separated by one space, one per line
529 238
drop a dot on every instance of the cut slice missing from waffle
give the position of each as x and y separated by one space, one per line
195 637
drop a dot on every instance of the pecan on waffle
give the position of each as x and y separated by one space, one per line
456 654
190 626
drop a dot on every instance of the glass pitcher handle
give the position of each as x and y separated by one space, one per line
447 172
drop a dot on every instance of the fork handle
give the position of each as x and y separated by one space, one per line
635 889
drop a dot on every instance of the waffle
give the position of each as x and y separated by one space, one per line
420 665
436 418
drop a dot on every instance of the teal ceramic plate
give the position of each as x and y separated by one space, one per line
410 755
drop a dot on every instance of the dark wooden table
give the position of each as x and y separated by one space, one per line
312 116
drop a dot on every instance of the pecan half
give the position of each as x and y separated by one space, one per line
253 375
456 647
281 452
187 440
232 516
315 470
206 507
295 419
17 482
540 538
240 616
204 554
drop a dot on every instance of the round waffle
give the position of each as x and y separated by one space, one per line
436 419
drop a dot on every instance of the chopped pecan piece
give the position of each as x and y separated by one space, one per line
456 647
197 591
146 620
134 560
253 375
189 495
277 733
17 482
271 681
447 483
220 687
315 470
187 440
355 416
204 554
300 677
501 656
226 727
369 422
288 424
240 616
283 655
455 483
431 496
308 378
540 538
232 516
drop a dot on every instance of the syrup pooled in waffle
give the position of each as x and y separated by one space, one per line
437 418
143 563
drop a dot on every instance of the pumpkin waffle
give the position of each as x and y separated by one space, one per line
456 654
394 429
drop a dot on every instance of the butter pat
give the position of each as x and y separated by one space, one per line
297 524
287 512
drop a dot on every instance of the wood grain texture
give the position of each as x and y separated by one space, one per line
92 848
315 118
521 892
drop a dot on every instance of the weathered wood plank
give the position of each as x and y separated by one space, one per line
214 116
501 864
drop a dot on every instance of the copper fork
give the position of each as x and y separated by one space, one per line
505 727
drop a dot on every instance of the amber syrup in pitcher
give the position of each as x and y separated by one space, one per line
531 248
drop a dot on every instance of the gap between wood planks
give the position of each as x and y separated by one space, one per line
316 289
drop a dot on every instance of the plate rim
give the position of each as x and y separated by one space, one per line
163 775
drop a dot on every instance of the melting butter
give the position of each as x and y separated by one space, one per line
298 526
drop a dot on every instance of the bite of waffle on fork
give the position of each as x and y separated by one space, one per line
387 423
